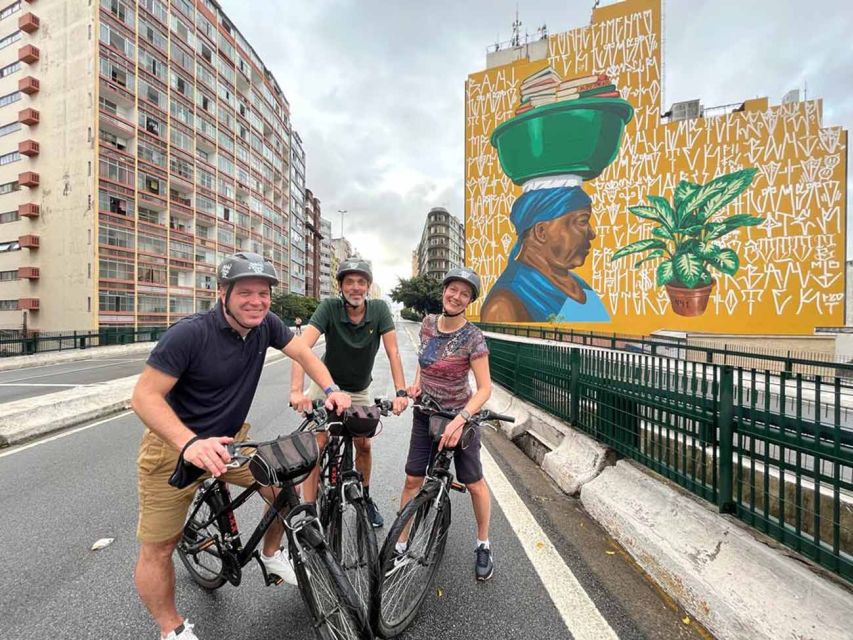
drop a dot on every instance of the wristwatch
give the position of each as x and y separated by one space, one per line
331 389
401 393
465 415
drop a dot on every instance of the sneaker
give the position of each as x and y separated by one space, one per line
484 567
373 514
279 565
401 559
184 632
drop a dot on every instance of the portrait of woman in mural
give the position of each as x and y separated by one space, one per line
565 131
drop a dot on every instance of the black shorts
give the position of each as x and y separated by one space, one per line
422 450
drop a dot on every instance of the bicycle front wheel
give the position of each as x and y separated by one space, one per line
405 578
336 609
354 543
198 548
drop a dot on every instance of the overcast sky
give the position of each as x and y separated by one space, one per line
376 87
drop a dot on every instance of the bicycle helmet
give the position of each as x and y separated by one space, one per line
355 265
466 275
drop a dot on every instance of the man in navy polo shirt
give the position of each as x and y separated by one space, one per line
193 396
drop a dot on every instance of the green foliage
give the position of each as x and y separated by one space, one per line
410 314
289 306
685 233
422 294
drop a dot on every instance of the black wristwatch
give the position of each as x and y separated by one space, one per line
401 393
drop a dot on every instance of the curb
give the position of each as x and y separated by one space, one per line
730 580
72 355
31 418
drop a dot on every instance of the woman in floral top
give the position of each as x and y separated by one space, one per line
450 348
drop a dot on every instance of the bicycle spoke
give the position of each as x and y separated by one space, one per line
330 612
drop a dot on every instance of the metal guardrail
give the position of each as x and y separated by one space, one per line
773 449
14 344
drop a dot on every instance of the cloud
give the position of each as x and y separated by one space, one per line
376 88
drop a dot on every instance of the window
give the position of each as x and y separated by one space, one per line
8 305
181 112
151 244
5 276
10 9
181 140
8 158
152 184
10 128
205 76
115 300
118 171
114 204
155 8
9 69
115 236
151 124
150 153
9 216
9 98
153 35
121 10
12 245
152 304
117 41
182 168
12 37
183 59
182 85
206 179
152 65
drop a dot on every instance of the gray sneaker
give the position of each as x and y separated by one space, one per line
485 567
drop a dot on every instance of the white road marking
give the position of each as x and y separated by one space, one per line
580 615
62 435
37 384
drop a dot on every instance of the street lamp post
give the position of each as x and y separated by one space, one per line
342 212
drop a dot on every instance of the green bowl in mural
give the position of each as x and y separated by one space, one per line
580 137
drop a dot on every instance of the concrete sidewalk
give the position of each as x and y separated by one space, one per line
734 581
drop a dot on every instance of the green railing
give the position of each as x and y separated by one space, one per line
14 344
773 449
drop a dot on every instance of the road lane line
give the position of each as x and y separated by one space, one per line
63 434
40 384
580 615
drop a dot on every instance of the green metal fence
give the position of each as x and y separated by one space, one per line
12 343
773 449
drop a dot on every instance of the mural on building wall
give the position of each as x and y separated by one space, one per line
583 206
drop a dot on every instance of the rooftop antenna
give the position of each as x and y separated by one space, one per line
516 30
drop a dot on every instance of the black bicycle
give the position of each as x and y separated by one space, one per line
212 551
341 503
405 578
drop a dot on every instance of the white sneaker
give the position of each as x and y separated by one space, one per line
184 632
279 564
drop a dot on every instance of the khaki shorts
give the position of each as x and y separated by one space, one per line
358 397
162 508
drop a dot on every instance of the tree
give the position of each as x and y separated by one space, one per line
289 306
421 293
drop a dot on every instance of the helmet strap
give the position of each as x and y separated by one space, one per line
451 315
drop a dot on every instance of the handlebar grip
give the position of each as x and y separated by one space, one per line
491 415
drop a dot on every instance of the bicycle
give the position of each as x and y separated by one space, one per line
405 578
341 504
212 551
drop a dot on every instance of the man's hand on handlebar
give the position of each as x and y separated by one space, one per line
337 401
209 454
399 405
299 401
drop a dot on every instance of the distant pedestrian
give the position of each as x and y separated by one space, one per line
298 323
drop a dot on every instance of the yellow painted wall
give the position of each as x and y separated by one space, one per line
791 278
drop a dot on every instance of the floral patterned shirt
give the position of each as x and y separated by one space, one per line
445 360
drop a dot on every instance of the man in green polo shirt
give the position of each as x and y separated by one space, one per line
353 326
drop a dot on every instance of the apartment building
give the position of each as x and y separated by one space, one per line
297 216
442 244
140 143
313 238
326 273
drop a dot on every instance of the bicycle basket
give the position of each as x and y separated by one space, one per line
290 458
358 422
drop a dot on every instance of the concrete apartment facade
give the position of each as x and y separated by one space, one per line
313 238
442 244
140 143
297 216
325 258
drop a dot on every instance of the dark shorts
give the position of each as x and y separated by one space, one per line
422 450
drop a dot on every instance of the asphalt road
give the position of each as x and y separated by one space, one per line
29 382
64 493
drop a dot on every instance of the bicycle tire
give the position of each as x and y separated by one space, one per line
353 541
327 593
205 566
406 579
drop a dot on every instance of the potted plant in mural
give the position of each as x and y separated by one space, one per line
685 235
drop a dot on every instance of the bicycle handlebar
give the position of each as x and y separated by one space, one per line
428 404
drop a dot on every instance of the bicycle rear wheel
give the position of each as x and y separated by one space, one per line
336 609
353 542
406 578
198 548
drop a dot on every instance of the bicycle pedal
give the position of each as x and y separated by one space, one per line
206 544
273 580
458 486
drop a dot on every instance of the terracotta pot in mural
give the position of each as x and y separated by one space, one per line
689 302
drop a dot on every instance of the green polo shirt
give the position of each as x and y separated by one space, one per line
351 348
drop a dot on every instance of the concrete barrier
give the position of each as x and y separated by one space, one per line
733 583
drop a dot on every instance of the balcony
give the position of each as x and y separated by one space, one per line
28 148
28 53
28 22
29 241
28 179
28 85
116 125
28 303
28 116
28 273
29 210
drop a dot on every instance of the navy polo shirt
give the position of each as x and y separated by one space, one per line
217 370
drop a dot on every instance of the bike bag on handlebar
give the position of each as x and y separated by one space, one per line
289 458
358 422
